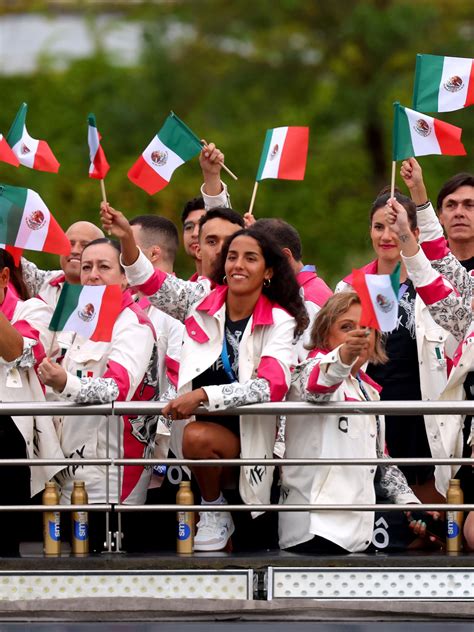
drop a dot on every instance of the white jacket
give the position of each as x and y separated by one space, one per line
19 383
101 372
323 377
266 355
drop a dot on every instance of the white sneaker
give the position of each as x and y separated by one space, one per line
213 530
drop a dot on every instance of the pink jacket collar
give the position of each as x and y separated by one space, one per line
262 313
369 268
57 280
9 304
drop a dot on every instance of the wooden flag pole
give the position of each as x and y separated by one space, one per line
102 188
232 175
52 345
254 194
392 184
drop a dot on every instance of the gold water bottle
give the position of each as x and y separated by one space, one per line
51 522
80 521
454 519
185 535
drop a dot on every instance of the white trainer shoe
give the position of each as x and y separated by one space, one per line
213 530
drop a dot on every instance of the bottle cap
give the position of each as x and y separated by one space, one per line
50 485
185 484
79 483
455 482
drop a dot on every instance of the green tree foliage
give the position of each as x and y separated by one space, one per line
231 71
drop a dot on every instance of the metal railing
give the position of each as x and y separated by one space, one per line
115 410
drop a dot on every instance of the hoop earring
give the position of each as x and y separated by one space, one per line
267 283
224 280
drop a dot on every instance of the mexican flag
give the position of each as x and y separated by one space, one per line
26 222
443 84
416 134
32 153
284 154
174 144
378 295
16 253
88 310
6 154
99 166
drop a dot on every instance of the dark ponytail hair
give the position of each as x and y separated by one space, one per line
16 274
283 288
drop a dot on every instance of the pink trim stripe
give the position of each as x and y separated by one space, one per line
368 380
153 284
369 268
315 289
9 302
146 178
437 290
117 372
271 370
142 317
449 138
295 151
172 370
436 248
27 331
313 385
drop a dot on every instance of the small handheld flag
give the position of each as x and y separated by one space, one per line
99 166
88 310
416 134
174 144
378 295
284 154
443 84
32 153
6 154
26 222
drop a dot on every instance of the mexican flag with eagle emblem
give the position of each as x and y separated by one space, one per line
32 153
284 154
174 144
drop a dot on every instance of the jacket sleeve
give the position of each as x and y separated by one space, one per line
273 373
449 308
214 201
31 321
435 247
34 277
129 356
318 378
392 485
165 291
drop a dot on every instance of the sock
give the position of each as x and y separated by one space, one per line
220 500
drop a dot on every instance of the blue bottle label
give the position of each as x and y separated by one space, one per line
452 528
81 530
54 529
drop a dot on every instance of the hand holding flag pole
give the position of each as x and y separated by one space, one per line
232 175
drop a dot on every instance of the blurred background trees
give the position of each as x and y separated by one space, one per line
231 70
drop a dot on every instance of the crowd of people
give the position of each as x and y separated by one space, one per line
253 324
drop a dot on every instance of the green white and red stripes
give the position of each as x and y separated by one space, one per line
26 222
284 154
99 166
6 154
378 295
88 310
32 153
443 84
416 134
174 144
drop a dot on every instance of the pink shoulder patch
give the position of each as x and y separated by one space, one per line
435 249
271 370
154 283
437 290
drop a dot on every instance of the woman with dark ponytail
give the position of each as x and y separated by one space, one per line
24 341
